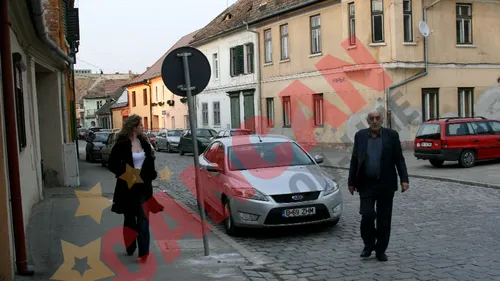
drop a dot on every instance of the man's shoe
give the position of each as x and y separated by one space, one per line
366 252
382 257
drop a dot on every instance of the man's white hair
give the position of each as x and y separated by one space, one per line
374 112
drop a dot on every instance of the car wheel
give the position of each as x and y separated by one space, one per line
229 226
168 148
467 159
436 163
181 152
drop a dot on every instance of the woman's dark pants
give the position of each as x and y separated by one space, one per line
137 221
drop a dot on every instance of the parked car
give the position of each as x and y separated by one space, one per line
152 138
232 132
91 131
466 140
108 147
168 140
95 143
233 190
204 137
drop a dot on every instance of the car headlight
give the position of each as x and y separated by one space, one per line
249 193
331 187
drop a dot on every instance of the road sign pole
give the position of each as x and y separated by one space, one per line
188 89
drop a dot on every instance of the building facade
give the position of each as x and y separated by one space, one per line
37 131
151 99
341 59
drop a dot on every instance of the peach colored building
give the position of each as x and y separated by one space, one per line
151 99
345 58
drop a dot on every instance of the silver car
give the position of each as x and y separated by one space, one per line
168 140
266 181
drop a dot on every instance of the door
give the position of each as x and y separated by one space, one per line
235 111
161 140
249 111
483 140
106 150
495 127
210 179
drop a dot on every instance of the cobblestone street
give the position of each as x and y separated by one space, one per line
440 231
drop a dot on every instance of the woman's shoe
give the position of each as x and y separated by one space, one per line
144 258
130 253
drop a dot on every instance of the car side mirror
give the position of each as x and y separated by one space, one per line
319 159
212 167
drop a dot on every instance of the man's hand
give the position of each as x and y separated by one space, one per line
404 186
352 189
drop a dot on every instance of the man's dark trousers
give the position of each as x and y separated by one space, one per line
376 238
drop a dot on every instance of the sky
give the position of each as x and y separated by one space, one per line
123 35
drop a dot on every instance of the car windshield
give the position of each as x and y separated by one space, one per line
101 137
429 131
266 155
205 133
175 133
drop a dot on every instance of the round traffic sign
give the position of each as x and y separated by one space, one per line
172 71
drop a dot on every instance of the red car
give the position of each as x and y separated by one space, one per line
465 140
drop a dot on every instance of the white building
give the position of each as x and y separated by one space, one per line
232 97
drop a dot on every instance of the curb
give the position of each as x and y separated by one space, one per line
255 260
473 183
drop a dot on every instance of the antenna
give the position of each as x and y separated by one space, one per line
424 28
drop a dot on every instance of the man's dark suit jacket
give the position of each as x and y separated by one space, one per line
392 158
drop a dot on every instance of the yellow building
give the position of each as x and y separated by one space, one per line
151 99
341 59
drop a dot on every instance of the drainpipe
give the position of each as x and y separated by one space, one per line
12 146
259 77
150 106
38 15
416 76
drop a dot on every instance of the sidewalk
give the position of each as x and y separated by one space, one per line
54 220
483 174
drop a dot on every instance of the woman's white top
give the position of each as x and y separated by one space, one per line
139 158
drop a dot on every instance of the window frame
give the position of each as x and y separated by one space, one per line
204 113
249 54
145 96
287 106
268 46
216 113
285 46
318 101
470 98
270 115
377 14
311 30
215 62
352 23
408 30
134 100
431 92
461 19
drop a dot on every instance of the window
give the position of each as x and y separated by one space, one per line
215 62
145 123
270 111
430 104
377 21
133 99
287 111
457 129
268 46
249 58
145 96
216 113
237 61
407 21
481 128
318 109
19 100
285 44
464 24
99 104
315 34
465 102
204 113
495 125
352 24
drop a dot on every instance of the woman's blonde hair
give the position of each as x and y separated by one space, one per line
128 126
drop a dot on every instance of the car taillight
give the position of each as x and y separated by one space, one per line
444 144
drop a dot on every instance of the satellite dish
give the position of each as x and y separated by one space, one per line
424 28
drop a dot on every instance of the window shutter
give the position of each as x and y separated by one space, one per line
240 60
251 57
65 6
231 62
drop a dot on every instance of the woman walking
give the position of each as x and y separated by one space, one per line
133 149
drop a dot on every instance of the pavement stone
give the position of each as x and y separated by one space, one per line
438 228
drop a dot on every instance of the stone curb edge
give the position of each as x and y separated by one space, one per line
256 261
473 183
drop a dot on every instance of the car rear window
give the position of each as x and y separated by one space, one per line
429 131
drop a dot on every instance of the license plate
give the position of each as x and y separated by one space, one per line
299 212
426 144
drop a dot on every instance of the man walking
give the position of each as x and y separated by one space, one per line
376 155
